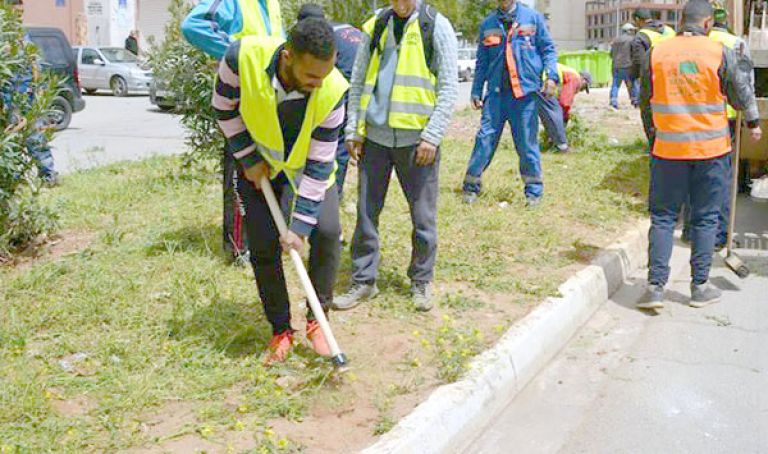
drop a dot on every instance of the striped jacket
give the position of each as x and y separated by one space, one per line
291 110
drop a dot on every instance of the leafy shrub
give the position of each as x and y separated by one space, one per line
22 217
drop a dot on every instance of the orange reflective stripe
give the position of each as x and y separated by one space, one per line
687 104
514 77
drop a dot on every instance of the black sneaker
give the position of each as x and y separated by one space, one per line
704 294
653 298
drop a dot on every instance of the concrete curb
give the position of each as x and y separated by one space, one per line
496 376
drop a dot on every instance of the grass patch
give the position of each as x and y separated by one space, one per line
147 337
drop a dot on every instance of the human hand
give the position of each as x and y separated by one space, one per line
477 103
292 241
756 133
550 88
426 153
255 174
355 149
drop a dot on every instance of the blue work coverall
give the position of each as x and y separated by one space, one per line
534 52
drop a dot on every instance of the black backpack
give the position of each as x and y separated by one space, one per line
427 16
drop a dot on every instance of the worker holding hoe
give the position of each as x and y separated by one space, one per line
555 111
280 106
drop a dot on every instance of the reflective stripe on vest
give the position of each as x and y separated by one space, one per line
514 76
414 93
253 19
688 107
730 42
258 107
657 37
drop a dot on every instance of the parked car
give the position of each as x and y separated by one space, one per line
57 58
467 64
160 96
112 68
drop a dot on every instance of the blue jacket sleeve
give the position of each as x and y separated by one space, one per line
481 67
546 48
209 26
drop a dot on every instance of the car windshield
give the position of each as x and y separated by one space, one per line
117 55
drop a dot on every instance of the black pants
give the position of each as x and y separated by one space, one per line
266 252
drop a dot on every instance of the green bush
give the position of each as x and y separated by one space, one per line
22 217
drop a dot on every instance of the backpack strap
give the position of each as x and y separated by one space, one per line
427 17
382 20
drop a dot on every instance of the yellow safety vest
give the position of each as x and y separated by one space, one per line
414 94
258 107
729 41
657 37
253 20
561 70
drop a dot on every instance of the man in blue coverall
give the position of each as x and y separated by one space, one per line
212 26
24 85
514 49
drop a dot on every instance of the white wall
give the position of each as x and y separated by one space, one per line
568 23
110 21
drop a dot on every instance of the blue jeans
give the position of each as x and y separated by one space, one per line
38 148
551 116
522 115
672 184
633 87
724 217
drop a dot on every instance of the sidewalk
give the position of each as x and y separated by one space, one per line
687 380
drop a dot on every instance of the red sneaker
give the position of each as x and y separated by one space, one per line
279 347
317 338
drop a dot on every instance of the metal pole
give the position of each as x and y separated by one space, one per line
618 18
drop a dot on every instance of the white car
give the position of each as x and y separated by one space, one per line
111 68
467 64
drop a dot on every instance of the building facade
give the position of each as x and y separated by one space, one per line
604 18
100 22
567 22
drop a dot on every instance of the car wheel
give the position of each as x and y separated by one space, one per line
90 91
60 115
119 86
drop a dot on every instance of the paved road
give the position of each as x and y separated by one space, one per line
116 129
687 380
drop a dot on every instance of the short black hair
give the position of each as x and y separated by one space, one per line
642 13
313 36
696 11
311 10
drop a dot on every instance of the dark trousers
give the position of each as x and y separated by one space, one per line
672 184
342 162
420 185
266 252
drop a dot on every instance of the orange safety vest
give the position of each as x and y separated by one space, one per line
514 76
688 106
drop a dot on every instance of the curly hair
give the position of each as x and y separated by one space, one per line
313 36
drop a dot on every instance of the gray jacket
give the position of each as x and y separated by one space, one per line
735 81
378 130
621 51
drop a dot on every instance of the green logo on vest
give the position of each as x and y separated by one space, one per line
688 68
